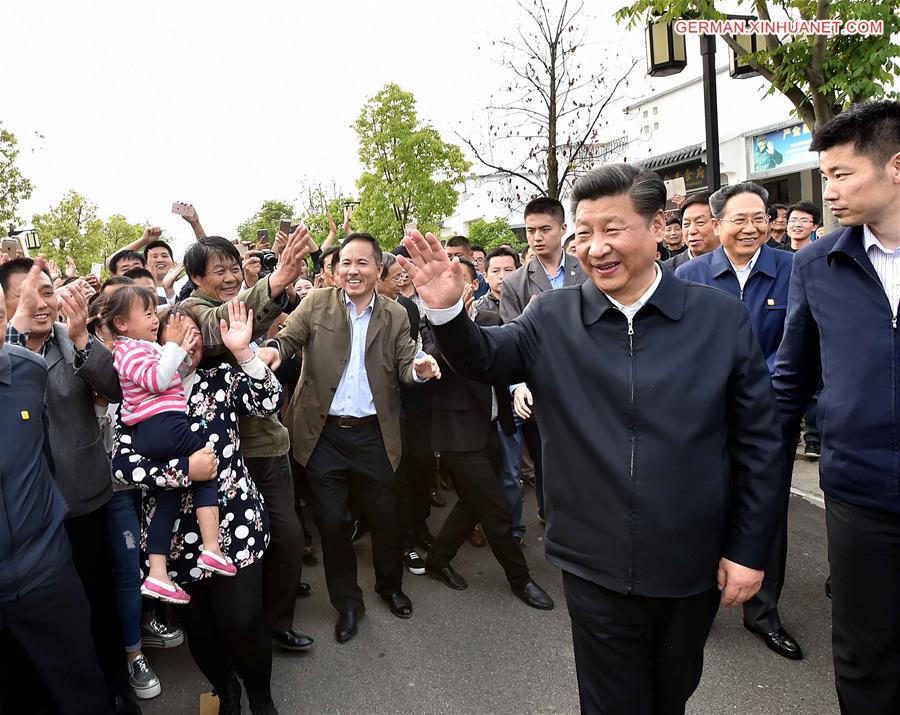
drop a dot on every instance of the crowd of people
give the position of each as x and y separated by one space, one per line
170 430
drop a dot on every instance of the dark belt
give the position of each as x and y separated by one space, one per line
347 422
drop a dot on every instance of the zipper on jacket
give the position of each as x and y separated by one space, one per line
629 586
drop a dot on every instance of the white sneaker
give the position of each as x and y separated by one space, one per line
143 679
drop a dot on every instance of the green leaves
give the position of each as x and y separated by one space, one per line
268 217
491 234
14 186
410 173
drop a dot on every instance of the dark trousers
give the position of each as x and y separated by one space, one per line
301 495
635 654
864 551
761 611
533 441
415 477
474 476
283 562
227 631
89 536
346 461
48 628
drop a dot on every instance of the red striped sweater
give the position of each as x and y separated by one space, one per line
149 377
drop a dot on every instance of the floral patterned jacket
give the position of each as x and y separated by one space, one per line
216 397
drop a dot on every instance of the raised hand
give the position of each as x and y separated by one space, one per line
438 280
74 307
237 331
332 233
151 233
295 252
280 242
177 328
53 267
71 268
29 297
348 213
252 267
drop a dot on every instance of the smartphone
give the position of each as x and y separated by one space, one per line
409 228
285 226
97 269
262 234
9 246
182 209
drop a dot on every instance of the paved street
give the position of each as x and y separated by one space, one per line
482 651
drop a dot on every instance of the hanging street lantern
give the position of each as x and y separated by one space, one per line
739 67
666 53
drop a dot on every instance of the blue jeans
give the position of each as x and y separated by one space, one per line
123 524
511 476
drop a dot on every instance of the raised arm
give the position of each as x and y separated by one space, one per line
151 233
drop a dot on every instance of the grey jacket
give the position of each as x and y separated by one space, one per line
675 261
82 466
530 280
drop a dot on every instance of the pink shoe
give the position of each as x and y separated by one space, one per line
209 561
164 592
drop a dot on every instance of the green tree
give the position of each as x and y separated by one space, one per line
491 234
72 228
268 217
317 203
410 173
14 186
820 75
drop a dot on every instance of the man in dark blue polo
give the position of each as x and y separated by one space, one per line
44 615
759 276
662 492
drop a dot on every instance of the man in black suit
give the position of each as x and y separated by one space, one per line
662 491
466 421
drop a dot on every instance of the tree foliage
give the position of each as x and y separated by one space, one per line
72 228
317 203
410 173
544 126
820 75
491 234
14 186
267 217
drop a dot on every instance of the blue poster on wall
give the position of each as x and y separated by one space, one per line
782 148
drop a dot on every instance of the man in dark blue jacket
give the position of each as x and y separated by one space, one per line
759 276
661 491
44 615
842 313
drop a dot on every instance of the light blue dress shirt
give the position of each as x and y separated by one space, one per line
353 397
557 279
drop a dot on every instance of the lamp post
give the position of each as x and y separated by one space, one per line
30 236
666 56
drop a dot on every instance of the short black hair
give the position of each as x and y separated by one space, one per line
673 221
14 268
116 281
872 127
125 255
203 250
118 304
546 205
136 273
568 239
328 257
473 271
806 207
497 252
368 238
718 200
646 190
693 199
158 243
459 242
476 247
774 209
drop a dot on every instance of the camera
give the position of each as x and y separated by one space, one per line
268 260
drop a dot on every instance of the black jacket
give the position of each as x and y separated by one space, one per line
461 420
661 452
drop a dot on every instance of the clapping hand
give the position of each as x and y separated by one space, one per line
71 268
74 307
295 252
427 367
438 280
174 273
178 328
237 331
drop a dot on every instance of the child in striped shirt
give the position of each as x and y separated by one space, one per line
154 405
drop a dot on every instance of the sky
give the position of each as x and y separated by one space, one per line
225 104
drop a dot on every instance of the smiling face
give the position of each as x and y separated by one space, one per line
857 190
743 227
616 246
47 308
673 236
358 271
799 227
141 322
159 262
223 278
698 229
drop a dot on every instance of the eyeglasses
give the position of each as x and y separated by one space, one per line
742 221
801 221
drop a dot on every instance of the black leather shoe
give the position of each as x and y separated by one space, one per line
291 640
533 595
399 604
437 501
127 703
448 576
780 642
347 624
425 539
